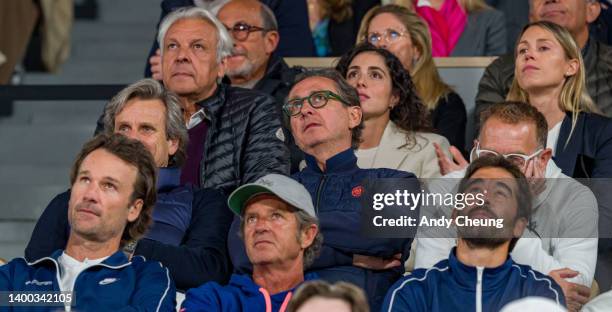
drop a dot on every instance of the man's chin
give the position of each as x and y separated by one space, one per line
485 242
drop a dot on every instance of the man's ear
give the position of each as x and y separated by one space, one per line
593 10
308 235
519 227
545 156
271 39
221 68
355 115
134 210
173 145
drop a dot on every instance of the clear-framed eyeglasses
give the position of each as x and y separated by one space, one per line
520 160
390 36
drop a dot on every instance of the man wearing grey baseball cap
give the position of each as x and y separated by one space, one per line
281 237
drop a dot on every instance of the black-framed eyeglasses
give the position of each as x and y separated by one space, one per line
316 99
241 31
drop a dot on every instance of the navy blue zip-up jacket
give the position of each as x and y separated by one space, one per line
115 284
452 286
240 295
339 214
188 235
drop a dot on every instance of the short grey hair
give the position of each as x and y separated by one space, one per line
224 40
149 89
311 253
267 18
304 221
347 92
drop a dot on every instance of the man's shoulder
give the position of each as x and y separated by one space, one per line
604 53
239 94
386 173
422 277
536 282
145 268
503 64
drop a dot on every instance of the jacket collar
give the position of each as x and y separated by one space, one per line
343 161
566 154
168 178
212 104
247 285
390 154
467 276
114 261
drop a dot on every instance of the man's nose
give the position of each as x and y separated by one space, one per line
182 54
91 192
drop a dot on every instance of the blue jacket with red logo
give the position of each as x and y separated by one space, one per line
336 197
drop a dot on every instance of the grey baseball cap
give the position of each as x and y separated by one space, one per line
286 188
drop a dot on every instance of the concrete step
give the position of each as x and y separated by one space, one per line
9 251
27 203
49 113
44 146
16 231
33 175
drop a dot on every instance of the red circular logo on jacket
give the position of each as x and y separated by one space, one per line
357 191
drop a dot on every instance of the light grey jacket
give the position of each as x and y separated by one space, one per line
484 35
565 218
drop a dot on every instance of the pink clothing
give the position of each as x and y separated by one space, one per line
445 25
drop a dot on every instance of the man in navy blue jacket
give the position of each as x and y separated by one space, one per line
326 122
113 193
479 274
281 236
190 226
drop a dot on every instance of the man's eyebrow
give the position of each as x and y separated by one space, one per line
83 172
111 180
500 183
472 181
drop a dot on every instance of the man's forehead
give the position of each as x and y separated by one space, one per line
266 202
110 165
151 107
192 29
499 132
493 176
311 84
236 11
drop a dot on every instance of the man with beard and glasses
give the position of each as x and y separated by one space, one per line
479 274
254 63
562 237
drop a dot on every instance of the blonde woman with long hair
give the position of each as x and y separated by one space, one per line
401 32
463 27
550 75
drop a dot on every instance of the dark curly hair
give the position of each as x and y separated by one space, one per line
410 114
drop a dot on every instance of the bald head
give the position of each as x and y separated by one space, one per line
254 28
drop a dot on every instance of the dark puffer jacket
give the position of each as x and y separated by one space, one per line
244 140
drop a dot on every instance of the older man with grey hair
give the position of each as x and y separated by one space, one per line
280 230
235 134
189 226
